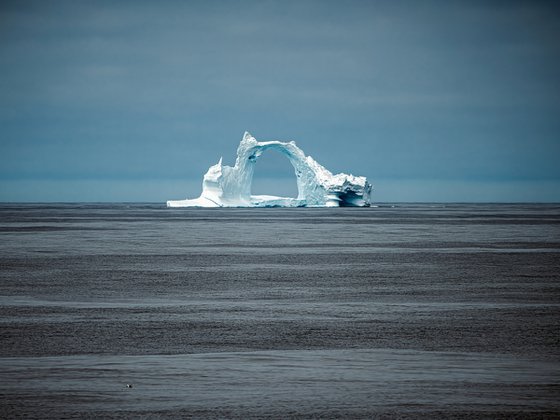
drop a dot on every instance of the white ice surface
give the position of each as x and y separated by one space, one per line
227 186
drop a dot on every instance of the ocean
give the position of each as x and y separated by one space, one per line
396 311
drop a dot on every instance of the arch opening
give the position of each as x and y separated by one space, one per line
274 175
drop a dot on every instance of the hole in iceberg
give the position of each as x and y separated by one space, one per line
274 175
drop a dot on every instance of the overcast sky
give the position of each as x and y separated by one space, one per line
133 101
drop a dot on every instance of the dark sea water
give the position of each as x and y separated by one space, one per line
405 311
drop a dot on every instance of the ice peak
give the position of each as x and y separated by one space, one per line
248 137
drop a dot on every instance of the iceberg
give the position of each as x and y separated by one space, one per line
227 186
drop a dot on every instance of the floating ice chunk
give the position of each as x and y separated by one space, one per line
227 186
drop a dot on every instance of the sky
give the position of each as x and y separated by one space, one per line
433 101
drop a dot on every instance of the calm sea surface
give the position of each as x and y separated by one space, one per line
411 310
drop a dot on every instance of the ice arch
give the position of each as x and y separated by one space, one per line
227 186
